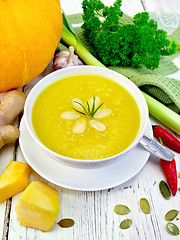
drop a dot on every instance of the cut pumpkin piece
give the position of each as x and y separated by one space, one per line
14 179
38 206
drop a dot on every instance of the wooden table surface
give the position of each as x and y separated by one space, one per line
93 211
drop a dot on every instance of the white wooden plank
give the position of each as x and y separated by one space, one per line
94 215
162 5
2 218
129 7
7 154
132 7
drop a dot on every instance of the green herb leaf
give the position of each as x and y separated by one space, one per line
94 98
115 42
98 108
88 107
78 111
81 106
89 112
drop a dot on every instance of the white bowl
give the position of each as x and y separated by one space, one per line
57 75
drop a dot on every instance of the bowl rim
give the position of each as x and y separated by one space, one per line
47 80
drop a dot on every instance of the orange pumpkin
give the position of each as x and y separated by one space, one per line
29 34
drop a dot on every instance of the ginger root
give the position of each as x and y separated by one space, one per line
11 105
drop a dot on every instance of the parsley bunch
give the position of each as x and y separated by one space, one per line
115 42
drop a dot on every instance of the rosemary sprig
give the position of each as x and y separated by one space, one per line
98 108
88 107
78 111
82 107
94 98
89 112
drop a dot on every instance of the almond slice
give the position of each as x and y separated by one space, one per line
101 113
97 102
76 105
79 127
70 115
97 125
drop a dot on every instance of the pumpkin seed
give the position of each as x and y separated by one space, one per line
66 222
101 113
121 209
144 204
164 189
125 224
171 215
70 115
172 228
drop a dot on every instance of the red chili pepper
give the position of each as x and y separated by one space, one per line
169 169
167 138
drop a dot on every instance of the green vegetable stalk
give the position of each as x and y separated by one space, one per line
156 109
163 114
70 39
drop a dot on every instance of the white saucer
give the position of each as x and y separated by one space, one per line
78 178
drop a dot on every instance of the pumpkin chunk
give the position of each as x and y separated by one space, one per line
38 206
14 179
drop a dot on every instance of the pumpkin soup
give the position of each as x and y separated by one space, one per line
85 116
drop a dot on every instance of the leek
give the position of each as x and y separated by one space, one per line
69 39
156 109
163 113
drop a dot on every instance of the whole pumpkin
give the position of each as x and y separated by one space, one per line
29 34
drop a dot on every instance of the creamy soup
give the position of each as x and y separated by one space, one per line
62 124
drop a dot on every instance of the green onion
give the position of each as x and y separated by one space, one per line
68 38
156 109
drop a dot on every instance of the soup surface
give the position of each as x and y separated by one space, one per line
72 134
